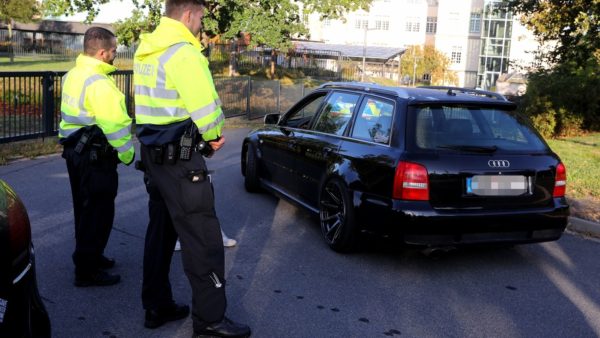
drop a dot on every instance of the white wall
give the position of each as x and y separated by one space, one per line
395 12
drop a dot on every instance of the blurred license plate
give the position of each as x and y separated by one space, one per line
3 303
497 185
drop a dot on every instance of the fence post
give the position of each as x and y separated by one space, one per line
248 93
48 103
278 96
128 93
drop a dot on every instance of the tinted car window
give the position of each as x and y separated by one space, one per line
301 118
374 121
446 126
337 113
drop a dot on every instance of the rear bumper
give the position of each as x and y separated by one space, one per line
418 223
25 314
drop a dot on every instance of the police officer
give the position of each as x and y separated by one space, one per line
178 113
95 131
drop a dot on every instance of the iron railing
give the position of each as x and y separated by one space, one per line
30 101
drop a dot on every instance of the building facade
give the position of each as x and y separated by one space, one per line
480 39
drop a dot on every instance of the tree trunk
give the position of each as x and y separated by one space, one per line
11 53
273 58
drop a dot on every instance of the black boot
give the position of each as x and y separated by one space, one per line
156 318
106 263
224 328
97 278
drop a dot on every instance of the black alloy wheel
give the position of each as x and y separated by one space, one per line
336 214
251 181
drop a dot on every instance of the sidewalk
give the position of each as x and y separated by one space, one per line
584 227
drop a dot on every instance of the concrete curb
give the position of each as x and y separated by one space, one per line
584 226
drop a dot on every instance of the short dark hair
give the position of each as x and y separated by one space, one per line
97 38
174 8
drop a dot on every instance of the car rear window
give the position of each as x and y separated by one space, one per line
462 127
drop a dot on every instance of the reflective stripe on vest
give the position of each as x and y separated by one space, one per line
161 111
67 132
206 110
82 118
119 133
212 125
124 147
160 90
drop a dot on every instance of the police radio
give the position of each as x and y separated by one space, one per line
187 142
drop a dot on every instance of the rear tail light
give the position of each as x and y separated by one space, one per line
560 181
411 182
19 230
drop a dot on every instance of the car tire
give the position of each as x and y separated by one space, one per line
337 216
251 181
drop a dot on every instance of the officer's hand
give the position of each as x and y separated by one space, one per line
216 145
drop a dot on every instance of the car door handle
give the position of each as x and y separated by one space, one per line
327 150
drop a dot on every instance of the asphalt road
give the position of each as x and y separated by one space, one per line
285 282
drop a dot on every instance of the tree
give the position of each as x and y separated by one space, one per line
573 24
17 10
144 18
271 23
563 98
417 61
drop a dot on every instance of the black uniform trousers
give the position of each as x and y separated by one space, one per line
94 188
158 251
189 198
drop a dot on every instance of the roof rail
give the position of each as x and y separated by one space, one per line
367 86
479 92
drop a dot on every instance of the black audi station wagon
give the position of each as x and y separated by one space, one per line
434 166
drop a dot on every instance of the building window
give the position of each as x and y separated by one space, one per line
305 19
413 24
426 77
382 25
361 24
431 27
475 26
456 54
327 22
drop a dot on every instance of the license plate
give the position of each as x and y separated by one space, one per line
497 185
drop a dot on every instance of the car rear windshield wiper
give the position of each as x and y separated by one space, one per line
469 148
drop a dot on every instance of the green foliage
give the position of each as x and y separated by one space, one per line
18 10
574 24
564 101
143 19
419 61
269 22
545 121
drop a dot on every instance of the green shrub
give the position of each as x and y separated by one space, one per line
545 123
569 94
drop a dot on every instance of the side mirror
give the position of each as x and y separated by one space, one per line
272 118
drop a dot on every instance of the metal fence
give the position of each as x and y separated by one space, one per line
48 45
30 101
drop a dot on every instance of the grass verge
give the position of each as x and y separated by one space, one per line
581 156
28 149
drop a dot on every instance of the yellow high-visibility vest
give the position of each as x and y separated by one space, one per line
173 84
90 97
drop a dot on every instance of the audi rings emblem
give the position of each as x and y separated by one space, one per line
499 163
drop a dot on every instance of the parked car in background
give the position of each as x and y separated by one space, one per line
22 312
437 166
